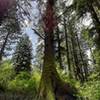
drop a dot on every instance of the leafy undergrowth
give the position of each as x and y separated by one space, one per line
22 83
28 83
90 90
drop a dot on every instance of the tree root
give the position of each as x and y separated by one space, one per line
53 88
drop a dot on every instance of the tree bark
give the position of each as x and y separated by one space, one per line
95 21
84 65
3 46
67 48
59 49
78 71
51 85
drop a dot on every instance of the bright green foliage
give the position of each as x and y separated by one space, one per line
91 90
6 75
28 83
67 79
86 34
25 83
97 57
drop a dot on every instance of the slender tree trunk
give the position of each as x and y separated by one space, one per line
67 48
72 60
84 65
96 22
93 58
78 71
59 49
3 46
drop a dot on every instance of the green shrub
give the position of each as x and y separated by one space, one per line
25 83
22 83
91 89
6 75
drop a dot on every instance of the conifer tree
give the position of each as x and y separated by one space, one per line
23 55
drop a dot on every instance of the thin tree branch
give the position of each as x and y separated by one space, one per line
37 33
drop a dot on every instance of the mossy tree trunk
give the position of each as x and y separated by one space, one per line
49 70
51 86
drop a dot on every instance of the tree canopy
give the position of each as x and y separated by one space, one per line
67 59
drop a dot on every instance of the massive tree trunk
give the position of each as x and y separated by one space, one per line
51 85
